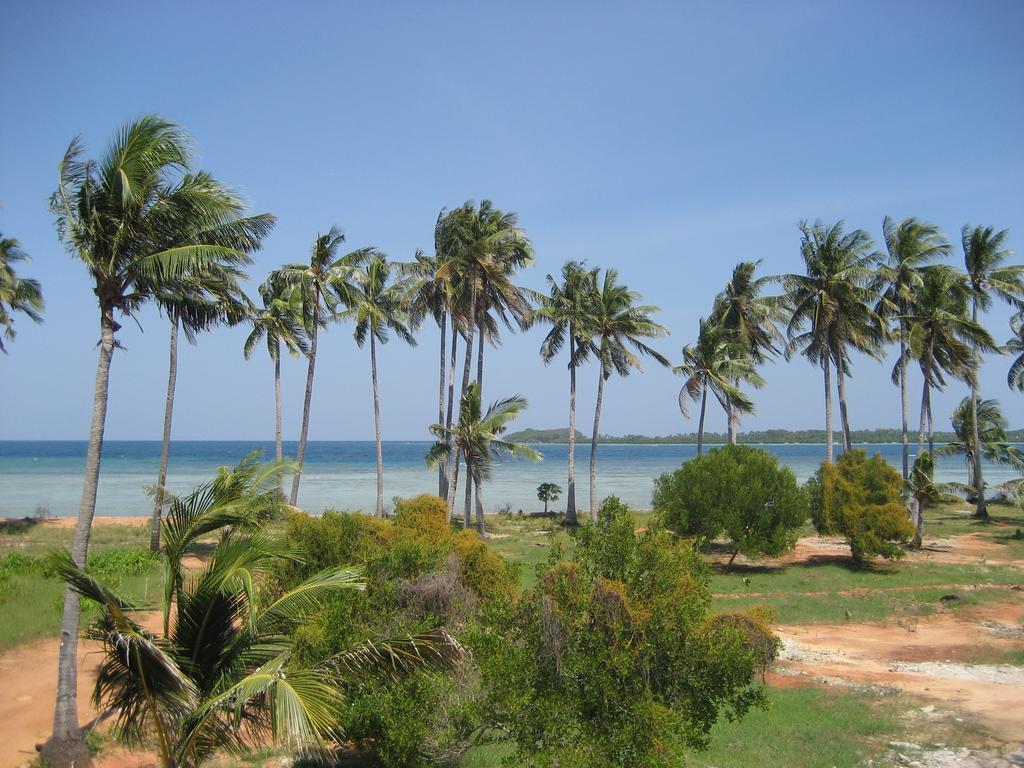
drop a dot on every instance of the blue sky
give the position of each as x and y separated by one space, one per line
667 140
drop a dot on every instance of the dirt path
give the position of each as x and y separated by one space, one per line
933 658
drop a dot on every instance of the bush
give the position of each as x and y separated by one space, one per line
425 514
861 499
613 653
737 491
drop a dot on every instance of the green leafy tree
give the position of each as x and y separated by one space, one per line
548 492
568 310
910 245
714 364
586 669
374 302
831 306
942 338
279 322
223 675
135 219
17 294
477 436
985 254
739 491
618 326
747 317
314 283
861 500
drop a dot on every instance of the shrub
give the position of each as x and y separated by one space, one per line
122 561
484 571
861 499
737 491
613 653
425 514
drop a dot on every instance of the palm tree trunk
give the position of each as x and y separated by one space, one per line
466 517
593 443
904 400
466 366
449 469
733 419
165 446
480 362
442 470
841 387
479 505
301 453
925 406
570 496
66 748
379 510
452 486
931 429
278 439
700 424
826 367
915 542
981 511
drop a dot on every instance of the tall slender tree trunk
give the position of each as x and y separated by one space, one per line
593 443
925 406
467 519
700 424
904 400
570 495
479 505
466 366
841 388
981 511
165 445
278 437
301 453
480 362
449 469
915 542
931 429
732 420
442 468
826 368
66 747
379 510
452 486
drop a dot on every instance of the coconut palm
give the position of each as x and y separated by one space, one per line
829 301
711 364
314 282
985 254
1015 346
748 318
618 327
923 491
194 303
17 294
223 676
942 336
910 245
375 303
279 322
132 219
568 308
477 436
991 435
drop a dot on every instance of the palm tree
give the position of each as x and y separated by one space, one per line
991 435
375 303
568 308
910 245
618 325
132 220
923 491
477 436
942 336
17 294
829 303
194 303
988 276
1015 346
314 282
224 676
748 319
711 364
279 322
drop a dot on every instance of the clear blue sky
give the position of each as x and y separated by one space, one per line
667 140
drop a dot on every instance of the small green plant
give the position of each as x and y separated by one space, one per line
548 492
861 499
737 491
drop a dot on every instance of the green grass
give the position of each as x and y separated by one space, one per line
35 538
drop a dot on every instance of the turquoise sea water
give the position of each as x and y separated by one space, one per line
342 474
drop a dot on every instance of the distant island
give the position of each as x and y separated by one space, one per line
766 436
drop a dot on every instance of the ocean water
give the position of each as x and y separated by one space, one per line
342 474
